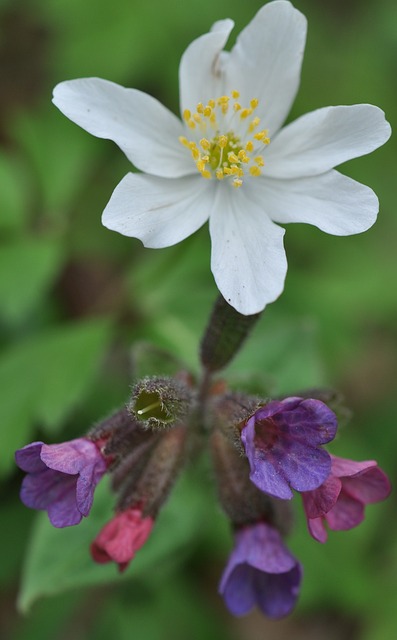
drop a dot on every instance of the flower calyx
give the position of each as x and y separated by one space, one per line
158 403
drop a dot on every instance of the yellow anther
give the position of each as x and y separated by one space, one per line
262 136
200 108
206 174
222 141
197 118
223 100
191 124
255 171
242 156
231 156
249 146
200 164
237 106
235 94
259 161
205 143
211 104
205 158
237 182
254 103
227 171
187 115
194 150
213 118
184 141
237 171
253 124
207 111
245 113
219 174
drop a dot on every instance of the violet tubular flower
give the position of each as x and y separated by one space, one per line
260 571
340 501
282 442
122 537
229 159
61 478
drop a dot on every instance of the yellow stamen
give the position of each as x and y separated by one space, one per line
231 156
255 171
237 182
224 154
245 113
205 143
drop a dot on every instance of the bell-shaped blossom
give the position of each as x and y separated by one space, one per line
228 159
122 537
340 501
282 441
260 571
61 478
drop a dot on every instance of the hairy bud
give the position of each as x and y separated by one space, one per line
160 402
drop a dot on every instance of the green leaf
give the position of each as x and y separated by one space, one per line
13 194
60 155
27 269
150 360
59 559
281 355
43 378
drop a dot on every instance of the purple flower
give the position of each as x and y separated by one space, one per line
260 571
282 441
341 499
61 478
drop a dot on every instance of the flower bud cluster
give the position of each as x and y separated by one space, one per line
262 452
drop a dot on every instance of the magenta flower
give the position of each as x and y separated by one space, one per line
341 499
122 537
261 571
61 478
282 441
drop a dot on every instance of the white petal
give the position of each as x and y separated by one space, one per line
248 259
266 61
142 127
332 202
199 75
158 211
322 139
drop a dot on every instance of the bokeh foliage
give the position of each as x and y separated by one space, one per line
76 298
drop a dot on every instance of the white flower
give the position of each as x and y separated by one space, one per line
228 160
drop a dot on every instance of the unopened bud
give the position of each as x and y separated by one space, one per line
224 335
119 434
159 402
158 476
240 499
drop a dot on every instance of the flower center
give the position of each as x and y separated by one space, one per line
221 152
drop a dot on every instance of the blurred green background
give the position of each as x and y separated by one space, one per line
76 298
